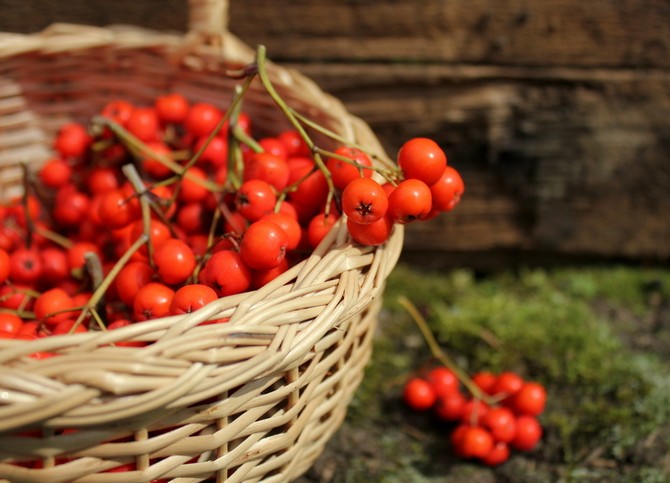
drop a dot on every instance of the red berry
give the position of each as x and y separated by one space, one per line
530 399
501 422
507 385
364 201
191 297
528 433
152 301
419 395
447 190
263 245
372 234
444 381
498 455
475 442
410 201
450 407
174 261
343 172
227 273
422 159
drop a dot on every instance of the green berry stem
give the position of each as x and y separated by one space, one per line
104 285
333 135
438 353
289 113
138 148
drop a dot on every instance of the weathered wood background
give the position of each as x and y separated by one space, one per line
557 113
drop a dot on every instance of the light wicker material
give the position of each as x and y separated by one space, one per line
255 398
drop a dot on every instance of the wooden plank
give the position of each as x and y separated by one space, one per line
555 160
626 33
513 32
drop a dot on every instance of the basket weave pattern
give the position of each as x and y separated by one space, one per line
255 398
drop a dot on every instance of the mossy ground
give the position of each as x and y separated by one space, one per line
596 337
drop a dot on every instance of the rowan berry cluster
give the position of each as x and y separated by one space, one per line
155 210
484 431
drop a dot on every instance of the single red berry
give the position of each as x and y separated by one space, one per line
422 159
191 297
444 381
171 108
190 190
255 198
151 163
364 201
152 301
372 234
202 119
419 395
52 306
448 190
450 406
10 323
319 226
25 266
72 140
274 146
116 209
498 455
528 433
55 265
55 173
485 381
530 399
507 385
130 279
475 442
143 124
290 226
294 143
174 261
227 273
118 111
263 245
501 422
214 152
267 167
102 180
344 172
410 201
71 207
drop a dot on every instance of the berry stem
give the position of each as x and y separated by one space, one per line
288 112
104 285
437 352
333 135
138 148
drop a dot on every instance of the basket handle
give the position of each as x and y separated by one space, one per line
207 18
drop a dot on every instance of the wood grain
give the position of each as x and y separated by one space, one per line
557 113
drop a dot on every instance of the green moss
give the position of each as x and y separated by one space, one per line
603 395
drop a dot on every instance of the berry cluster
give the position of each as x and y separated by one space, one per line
486 428
156 210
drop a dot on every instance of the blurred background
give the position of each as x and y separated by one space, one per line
556 113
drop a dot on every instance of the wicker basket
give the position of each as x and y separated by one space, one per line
253 399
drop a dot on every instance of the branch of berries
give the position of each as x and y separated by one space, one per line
178 203
499 413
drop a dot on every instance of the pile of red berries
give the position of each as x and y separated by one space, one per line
155 210
484 431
